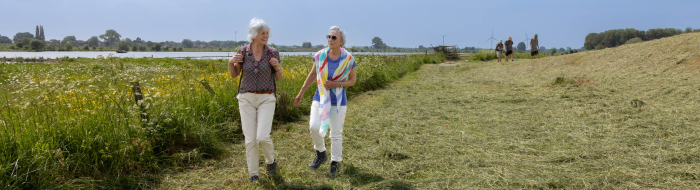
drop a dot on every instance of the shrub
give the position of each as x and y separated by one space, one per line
134 48
484 55
634 40
69 47
86 48
599 46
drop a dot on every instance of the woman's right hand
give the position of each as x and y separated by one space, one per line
238 58
297 100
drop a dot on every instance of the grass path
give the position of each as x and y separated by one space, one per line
625 124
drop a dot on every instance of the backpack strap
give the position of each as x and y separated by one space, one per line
240 80
274 81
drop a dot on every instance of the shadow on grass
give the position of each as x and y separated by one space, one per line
359 178
276 181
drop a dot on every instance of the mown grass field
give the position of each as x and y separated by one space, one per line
618 118
75 124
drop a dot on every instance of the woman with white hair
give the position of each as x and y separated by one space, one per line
259 66
333 71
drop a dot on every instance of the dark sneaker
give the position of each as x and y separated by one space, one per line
254 179
272 168
320 159
335 167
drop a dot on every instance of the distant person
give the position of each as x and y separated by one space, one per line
499 50
551 53
329 105
509 48
259 65
534 48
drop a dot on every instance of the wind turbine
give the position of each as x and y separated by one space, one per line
526 40
492 39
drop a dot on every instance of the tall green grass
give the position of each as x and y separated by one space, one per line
75 124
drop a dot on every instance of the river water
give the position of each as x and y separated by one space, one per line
196 55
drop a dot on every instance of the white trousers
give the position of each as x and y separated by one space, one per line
336 129
257 111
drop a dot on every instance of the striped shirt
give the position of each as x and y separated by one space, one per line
263 79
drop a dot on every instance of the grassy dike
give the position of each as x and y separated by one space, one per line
618 118
74 124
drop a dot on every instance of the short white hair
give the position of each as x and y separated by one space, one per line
343 36
256 26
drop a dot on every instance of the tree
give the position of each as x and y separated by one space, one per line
568 48
134 48
377 43
123 45
41 32
420 47
69 46
553 50
37 44
521 46
21 35
306 45
688 30
19 44
543 48
26 42
110 37
55 43
156 47
36 34
69 40
93 41
5 40
562 50
128 41
187 43
149 44
142 48
86 48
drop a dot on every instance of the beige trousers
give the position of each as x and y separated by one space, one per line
336 129
257 111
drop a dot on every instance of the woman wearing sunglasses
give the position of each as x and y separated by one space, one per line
333 71
259 66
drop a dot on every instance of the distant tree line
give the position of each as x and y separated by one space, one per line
617 37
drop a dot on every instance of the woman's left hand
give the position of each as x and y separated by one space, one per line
275 63
331 84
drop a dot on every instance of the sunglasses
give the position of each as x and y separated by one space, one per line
331 37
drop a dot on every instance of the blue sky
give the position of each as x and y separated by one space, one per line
407 23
